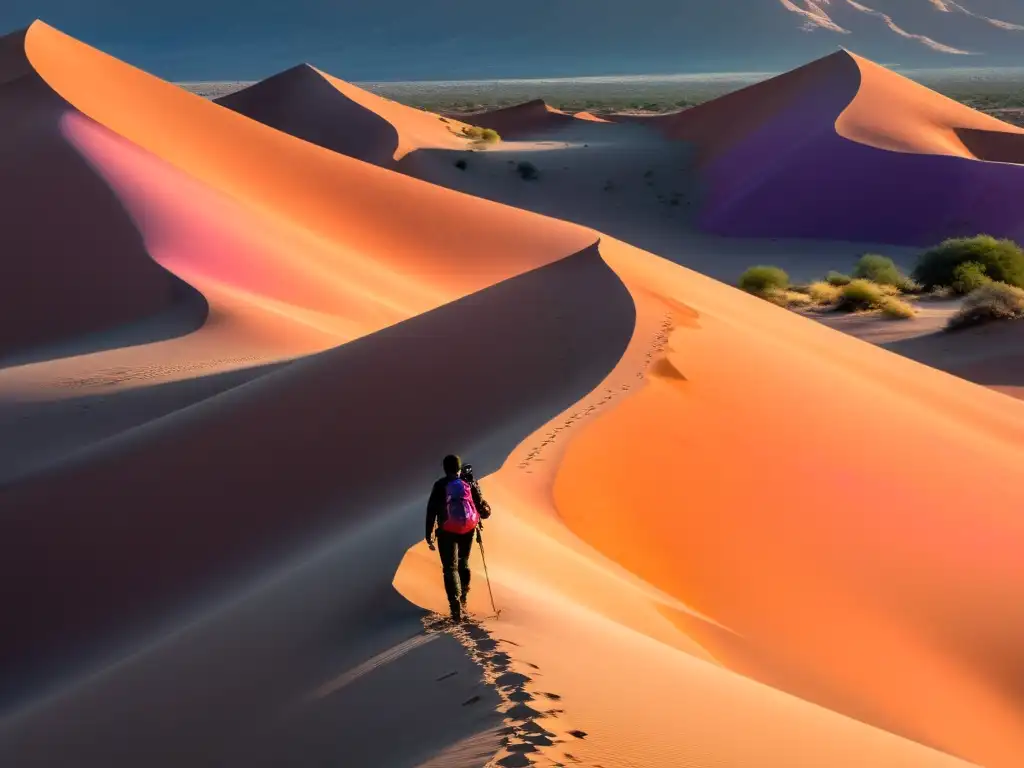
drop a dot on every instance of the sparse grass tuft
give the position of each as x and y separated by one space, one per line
764 280
823 293
994 301
476 133
792 299
860 295
897 309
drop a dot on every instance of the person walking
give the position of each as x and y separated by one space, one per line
454 511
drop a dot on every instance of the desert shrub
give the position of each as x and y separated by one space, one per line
837 278
764 280
897 309
527 170
909 285
823 292
1003 261
860 295
878 269
480 134
969 276
460 164
793 299
993 301
888 290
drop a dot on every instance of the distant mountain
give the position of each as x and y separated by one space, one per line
452 39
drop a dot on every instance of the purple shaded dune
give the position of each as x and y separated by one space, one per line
795 176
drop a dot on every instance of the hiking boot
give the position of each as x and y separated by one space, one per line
456 612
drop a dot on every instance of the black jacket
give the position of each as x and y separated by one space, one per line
436 512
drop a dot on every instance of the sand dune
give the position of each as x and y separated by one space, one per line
520 120
845 149
312 105
211 507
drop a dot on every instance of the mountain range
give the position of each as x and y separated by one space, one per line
453 39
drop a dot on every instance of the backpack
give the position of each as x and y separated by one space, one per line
462 515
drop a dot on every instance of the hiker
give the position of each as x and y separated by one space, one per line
454 512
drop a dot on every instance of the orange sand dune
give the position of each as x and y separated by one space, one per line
286 236
878 107
897 610
721 123
312 105
723 535
67 276
764 556
893 112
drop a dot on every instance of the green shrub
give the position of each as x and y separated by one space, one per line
1003 261
897 309
993 301
860 295
837 278
878 269
968 277
764 280
824 293
527 170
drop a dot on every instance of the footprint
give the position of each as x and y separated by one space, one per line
471 700
552 696
578 734
446 676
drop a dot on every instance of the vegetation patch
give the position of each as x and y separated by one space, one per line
897 309
487 135
764 280
823 293
990 302
1000 260
860 296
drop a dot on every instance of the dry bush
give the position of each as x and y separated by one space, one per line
994 301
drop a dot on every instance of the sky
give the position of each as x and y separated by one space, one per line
363 40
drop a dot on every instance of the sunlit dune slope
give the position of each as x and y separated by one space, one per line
814 496
251 217
695 466
893 112
320 108
844 149
63 274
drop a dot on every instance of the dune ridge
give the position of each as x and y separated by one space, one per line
821 158
336 115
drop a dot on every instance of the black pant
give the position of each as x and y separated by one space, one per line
454 549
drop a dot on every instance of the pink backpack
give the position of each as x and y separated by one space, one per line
462 514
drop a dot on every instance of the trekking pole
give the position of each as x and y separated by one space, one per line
480 541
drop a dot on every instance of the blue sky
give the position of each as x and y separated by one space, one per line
452 39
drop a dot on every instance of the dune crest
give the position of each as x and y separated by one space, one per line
315 106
